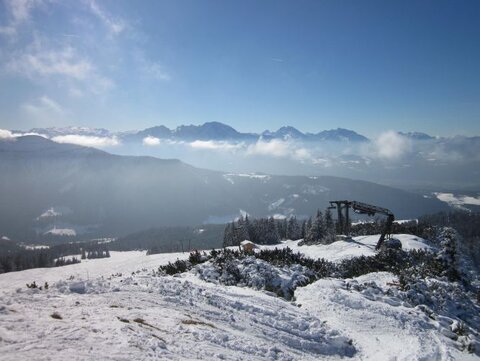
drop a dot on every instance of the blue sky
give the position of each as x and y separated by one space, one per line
369 66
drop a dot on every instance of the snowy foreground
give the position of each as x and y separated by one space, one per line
117 309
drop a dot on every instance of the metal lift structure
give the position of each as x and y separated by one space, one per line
343 216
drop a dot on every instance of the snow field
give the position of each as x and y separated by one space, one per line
141 317
117 309
383 327
358 246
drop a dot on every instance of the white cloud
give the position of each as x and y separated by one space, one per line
114 25
151 141
302 154
213 145
41 60
275 148
6 134
280 149
16 135
87 141
391 145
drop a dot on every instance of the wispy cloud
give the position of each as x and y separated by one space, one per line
18 12
44 60
21 9
44 110
87 141
45 103
152 70
155 70
114 25
41 60
7 30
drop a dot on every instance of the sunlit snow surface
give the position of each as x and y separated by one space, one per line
109 313
458 201
358 246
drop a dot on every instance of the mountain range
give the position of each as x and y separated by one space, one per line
411 160
45 185
206 131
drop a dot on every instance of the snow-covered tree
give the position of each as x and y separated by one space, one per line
293 229
316 232
329 227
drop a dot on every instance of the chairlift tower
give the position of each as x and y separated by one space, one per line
343 215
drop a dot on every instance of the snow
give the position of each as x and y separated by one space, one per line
380 330
62 232
403 221
49 213
229 176
118 262
398 221
34 246
276 204
69 258
145 317
458 201
118 308
104 240
356 247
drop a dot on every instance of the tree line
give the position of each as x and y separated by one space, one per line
320 229
14 257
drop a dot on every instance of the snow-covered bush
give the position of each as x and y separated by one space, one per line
448 255
255 273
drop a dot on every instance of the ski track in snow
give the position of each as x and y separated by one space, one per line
183 318
116 309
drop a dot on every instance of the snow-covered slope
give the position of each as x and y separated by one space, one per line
119 309
381 327
358 246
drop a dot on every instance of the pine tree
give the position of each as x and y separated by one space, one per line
271 236
241 231
329 227
282 228
316 233
304 229
228 235
248 227
294 231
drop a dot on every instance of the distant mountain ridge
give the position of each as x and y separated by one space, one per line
218 131
207 131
